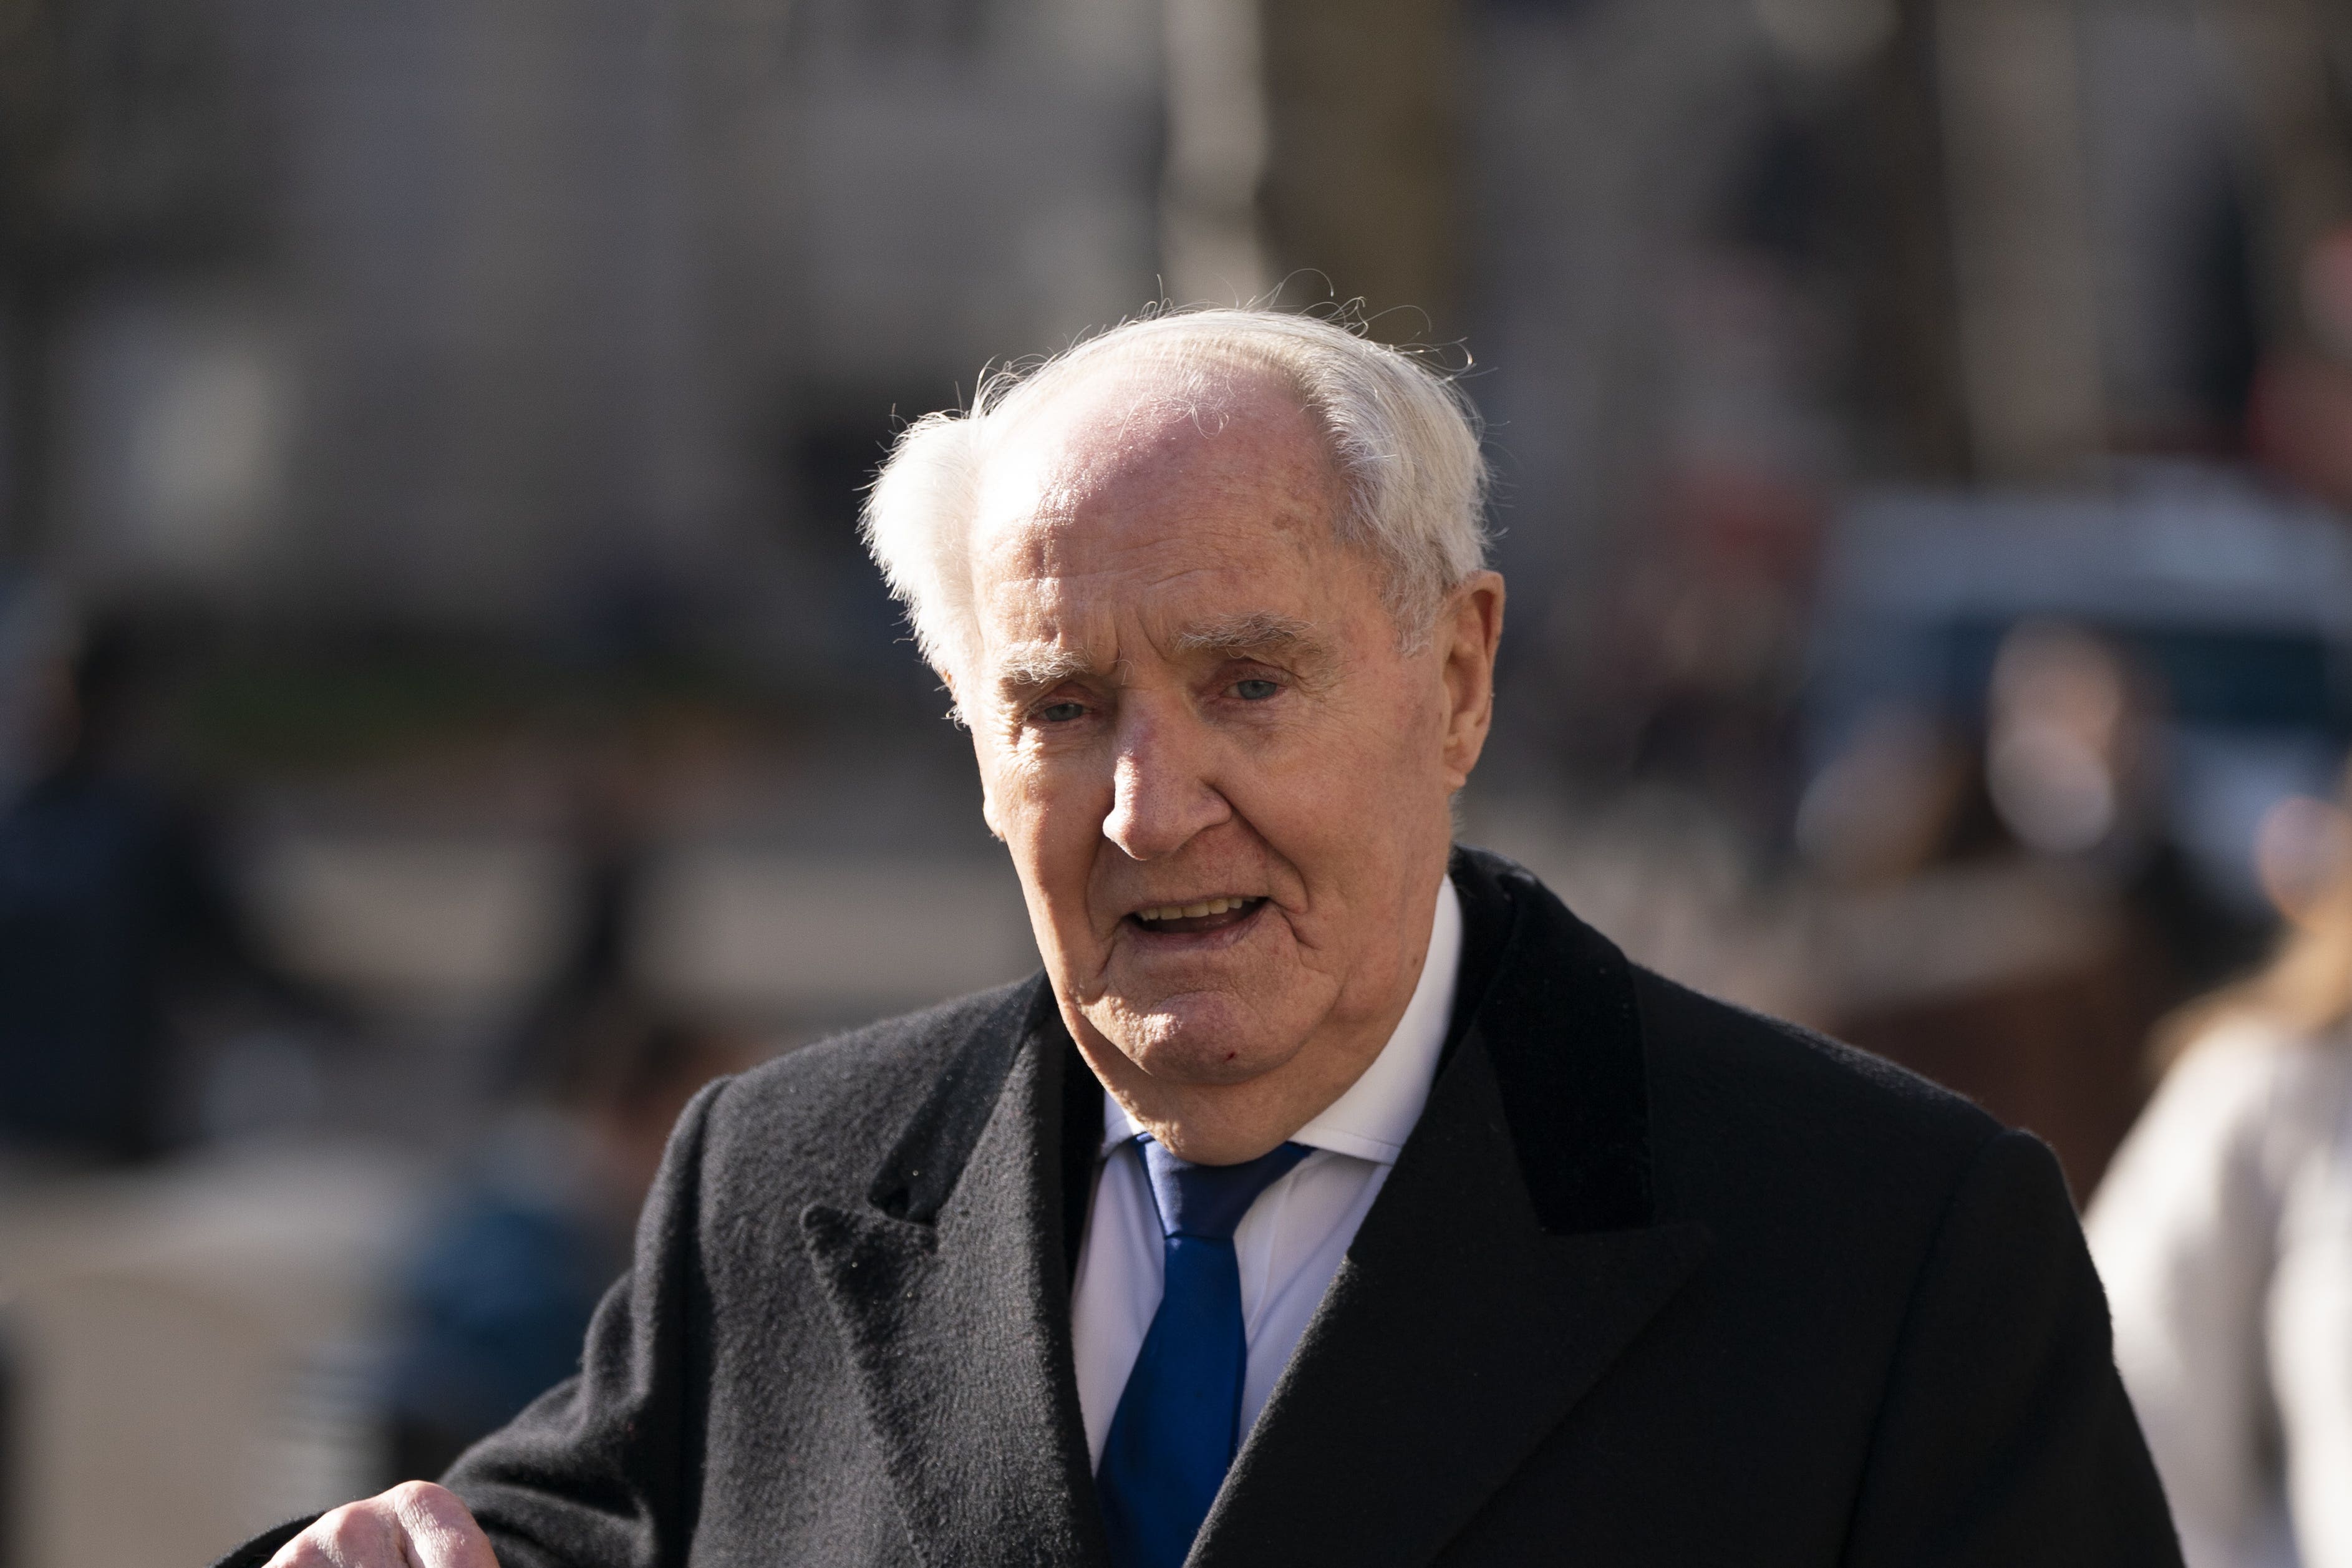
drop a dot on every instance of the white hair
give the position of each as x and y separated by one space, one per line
1404 437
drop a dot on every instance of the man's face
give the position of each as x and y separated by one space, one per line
1226 788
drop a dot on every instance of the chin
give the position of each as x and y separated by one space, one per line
1197 1039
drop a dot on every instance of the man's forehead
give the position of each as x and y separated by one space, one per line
1180 576
1120 519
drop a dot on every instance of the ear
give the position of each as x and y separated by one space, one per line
987 788
979 756
1468 629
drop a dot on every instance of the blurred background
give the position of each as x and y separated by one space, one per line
445 716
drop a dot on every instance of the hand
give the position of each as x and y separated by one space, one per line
415 1525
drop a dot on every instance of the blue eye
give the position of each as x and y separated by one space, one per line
1255 691
1061 712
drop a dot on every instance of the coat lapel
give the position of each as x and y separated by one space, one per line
952 1295
1512 1256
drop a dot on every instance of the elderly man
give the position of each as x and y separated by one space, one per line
1334 1196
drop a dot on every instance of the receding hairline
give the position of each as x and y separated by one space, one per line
1303 482
1399 437
1206 388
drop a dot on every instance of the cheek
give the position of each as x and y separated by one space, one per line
1389 756
1359 798
1052 822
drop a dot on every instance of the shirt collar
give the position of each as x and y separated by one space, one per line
1374 1117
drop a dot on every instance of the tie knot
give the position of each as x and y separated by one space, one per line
1208 1200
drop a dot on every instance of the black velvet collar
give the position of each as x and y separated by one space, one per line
1548 999
1557 1017
1082 1138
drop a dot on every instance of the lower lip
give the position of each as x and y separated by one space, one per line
1231 931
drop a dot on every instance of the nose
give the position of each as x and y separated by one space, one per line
1160 793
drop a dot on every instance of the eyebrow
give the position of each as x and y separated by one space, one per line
1026 666
1029 667
1254 632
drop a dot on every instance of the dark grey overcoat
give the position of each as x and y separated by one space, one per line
1656 1281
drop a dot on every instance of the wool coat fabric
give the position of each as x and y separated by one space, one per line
1654 1281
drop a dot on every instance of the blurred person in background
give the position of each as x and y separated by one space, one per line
2223 1232
2011 908
114 907
2065 770
1335 1195
490 1308
491 1305
2074 771
606 795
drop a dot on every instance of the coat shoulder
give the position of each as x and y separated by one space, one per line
832 1108
1740 1099
1740 1120
1786 1062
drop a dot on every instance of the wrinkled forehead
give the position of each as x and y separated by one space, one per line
1128 491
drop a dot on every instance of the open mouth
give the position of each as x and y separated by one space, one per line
1205 915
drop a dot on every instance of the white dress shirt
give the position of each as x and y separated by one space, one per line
1290 1243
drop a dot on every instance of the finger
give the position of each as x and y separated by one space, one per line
357 1535
440 1531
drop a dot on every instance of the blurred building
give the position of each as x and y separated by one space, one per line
506 309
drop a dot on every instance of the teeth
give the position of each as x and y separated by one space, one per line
1189 911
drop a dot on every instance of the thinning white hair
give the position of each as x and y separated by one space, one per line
1402 435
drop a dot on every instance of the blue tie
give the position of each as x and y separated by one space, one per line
1179 1421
